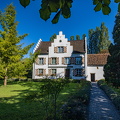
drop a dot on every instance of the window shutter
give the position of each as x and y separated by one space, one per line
37 61
49 61
36 72
74 72
83 72
65 49
44 61
44 72
57 60
63 60
49 72
55 49
83 60
74 60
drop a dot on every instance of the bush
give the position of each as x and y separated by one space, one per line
114 96
76 108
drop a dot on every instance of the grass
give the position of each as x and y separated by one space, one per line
14 106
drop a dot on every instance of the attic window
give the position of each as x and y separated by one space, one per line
60 41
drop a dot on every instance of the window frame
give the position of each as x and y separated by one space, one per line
78 72
67 60
40 73
60 49
55 62
78 62
53 73
41 61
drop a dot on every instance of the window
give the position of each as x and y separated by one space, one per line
67 60
53 61
77 72
53 72
41 61
40 72
78 61
60 49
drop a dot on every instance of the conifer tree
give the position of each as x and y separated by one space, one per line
71 37
11 51
98 39
112 68
53 37
77 37
93 41
104 38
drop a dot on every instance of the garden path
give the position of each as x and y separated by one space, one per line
101 107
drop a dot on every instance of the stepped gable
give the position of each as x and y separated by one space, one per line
78 46
97 59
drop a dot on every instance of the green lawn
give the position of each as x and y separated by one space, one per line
14 107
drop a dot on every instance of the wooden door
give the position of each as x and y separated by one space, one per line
92 77
67 73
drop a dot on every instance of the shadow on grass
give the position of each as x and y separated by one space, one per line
15 107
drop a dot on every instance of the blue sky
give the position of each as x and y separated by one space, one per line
83 18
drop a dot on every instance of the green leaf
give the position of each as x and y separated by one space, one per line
66 11
116 1
56 18
95 2
69 3
61 3
54 6
107 2
119 7
106 9
24 3
98 7
45 13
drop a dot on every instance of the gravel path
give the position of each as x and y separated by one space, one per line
101 108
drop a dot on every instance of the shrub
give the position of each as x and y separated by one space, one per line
114 96
76 108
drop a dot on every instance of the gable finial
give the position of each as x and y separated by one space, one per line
60 33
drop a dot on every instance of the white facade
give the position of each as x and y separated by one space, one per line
59 67
95 73
77 69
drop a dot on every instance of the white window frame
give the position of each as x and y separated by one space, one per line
66 60
78 72
54 71
78 60
54 61
41 61
60 49
40 71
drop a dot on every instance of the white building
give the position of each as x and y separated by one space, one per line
63 58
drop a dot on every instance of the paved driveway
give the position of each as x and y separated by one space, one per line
101 108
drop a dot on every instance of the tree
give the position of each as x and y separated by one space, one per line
112 68
104 38
77 37
11 52
83 36
71 37
93 41
98 40
62 7
52 38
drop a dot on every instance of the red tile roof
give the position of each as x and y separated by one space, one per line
97 59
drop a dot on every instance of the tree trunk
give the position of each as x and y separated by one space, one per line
5 81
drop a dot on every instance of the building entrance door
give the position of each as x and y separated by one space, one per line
92 77
67 73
